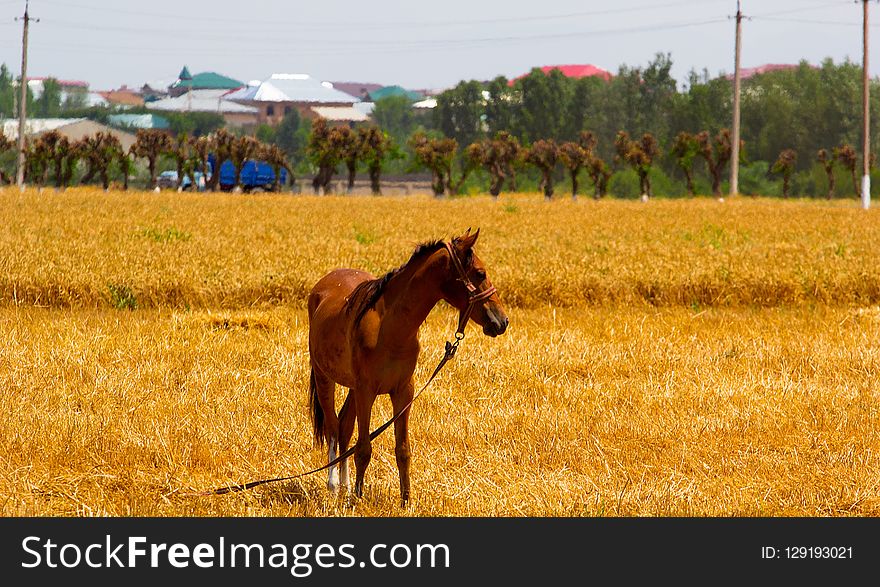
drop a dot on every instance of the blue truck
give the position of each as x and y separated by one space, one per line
255 175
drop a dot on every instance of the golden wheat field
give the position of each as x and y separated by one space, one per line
675 357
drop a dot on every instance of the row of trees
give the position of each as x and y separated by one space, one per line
804 108
53 155
501 157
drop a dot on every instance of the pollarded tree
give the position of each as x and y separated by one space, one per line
37 163
828 161
5 145
599 171
376 147
243 149
469 161
180 150
784 166
277 160
200 151
685 149
100 150
499 156
436 155
350 151
126 166
222 144
717 153
639 155
848 157
56 148
74 154
150 144
544 154
510 155
574 157
600 175
325 151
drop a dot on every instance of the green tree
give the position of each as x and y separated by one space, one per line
394 115
544 101
48 105
292 135
7 93
459 112
501 106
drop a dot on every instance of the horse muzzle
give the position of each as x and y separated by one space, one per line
495 325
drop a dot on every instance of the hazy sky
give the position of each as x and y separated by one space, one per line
416 43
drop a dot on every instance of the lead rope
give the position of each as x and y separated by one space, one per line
451 348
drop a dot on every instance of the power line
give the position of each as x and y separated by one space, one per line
361 24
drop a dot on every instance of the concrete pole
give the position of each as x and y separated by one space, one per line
22 104
735 140
866 115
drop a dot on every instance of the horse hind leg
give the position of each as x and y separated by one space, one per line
346 428
324 421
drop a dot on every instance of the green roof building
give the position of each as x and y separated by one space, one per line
394 91
206 80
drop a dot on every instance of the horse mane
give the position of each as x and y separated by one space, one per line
366 294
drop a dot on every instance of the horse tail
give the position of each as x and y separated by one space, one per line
315 411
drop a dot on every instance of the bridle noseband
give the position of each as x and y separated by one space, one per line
475 296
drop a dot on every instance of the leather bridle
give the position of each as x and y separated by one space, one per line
475 297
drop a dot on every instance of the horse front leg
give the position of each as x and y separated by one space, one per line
363 401
400 400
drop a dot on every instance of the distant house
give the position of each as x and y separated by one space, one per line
68 87
573 71
72 128
233 113
138 121
357 89
284 92
748 72
124 97
207 80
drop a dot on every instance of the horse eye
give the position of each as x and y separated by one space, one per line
480 275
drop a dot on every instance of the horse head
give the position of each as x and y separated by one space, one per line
469 288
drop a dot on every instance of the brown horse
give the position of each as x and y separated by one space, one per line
363 334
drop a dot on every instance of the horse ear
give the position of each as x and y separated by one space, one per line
466 241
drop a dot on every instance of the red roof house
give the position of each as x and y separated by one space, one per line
574 71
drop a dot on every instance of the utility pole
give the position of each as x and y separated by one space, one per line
866 114
734 146
22 103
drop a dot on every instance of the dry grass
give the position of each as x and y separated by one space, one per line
87 249
573 412
594 403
